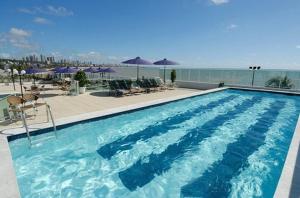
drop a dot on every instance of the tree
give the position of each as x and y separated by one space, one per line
173 75
280 82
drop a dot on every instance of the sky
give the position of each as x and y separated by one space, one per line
195 33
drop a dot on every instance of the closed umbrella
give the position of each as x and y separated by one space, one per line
165 62
137 61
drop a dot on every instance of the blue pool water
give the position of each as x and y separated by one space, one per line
226 144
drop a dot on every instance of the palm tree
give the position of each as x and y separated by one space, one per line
280 82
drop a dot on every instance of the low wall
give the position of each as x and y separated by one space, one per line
196 85
265 88
206 86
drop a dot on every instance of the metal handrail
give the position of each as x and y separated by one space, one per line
48 112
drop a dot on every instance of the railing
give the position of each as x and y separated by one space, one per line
237 77
4 107
48 112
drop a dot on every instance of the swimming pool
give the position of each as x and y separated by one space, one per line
230 143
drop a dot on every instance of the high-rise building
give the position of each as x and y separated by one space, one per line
42 58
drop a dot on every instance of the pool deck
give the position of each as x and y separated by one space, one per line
69 109
64 106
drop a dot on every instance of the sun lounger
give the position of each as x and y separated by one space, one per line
149 84
134 85
116 89
156 85
160 84
133 89
143 85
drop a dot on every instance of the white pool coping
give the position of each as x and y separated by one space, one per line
287 182
9 187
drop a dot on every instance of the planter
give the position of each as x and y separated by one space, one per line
82 90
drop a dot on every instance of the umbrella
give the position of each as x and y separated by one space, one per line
137 61
109 70
57 69
91 70
100 70
165 62
33 71
66 70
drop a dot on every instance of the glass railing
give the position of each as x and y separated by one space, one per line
237 77
4 107
241 77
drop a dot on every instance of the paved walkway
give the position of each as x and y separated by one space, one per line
65 106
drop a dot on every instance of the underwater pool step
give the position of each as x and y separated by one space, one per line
40 140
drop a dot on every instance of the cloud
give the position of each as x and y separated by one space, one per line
18 38
112 58
298 46
41 20
19 32
47 10
59 11
219 2
4 55
89 56
231 26
26 11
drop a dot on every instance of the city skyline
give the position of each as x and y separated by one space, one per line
196 33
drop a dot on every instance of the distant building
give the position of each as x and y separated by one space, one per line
43 58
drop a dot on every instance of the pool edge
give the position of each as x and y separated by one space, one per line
9 185
286 181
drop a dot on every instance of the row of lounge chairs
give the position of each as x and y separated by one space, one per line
129 87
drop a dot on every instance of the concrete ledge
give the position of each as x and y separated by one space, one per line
206 86
277 90
263 89
289 182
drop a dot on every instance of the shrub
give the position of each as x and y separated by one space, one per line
173 75
280 82
80 76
